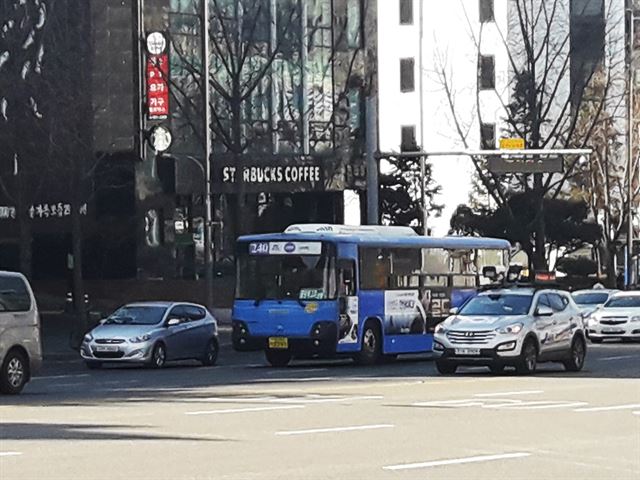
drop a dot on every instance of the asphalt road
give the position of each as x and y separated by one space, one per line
326 420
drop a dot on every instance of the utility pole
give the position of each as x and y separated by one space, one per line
630 132
371 120
208 221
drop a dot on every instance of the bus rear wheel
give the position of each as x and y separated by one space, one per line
278 358
371 351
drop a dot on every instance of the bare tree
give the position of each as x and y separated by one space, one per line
602 182
22 50
544 102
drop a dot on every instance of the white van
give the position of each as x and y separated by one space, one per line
20 345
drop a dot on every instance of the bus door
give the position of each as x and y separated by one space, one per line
348 302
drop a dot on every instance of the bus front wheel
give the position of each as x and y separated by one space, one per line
278 358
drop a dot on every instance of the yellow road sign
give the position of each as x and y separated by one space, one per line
512 144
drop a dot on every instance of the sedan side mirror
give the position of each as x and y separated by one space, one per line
173 322
454 311
544 312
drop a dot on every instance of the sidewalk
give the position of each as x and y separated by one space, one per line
57 328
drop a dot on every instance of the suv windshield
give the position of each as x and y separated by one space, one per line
301 277
624 302
590 298
137 315
497 304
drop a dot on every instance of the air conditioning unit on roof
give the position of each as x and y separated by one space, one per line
350 229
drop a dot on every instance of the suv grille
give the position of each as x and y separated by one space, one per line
474 337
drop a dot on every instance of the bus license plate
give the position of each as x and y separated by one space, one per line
467 351
279 343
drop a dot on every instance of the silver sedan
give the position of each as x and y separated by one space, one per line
153 333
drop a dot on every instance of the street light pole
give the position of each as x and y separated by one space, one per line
630 172
208 221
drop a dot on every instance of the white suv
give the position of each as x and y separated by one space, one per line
516 327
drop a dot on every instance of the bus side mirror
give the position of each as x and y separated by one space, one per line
490 272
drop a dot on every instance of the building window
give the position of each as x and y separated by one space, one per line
406 12
408 138
487 72
488 136
486 11
407 75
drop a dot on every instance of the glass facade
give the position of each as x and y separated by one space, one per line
287 76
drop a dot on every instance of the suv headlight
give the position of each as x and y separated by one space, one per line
514 328
88 337
140 339
440 328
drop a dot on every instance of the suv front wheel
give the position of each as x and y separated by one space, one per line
528 358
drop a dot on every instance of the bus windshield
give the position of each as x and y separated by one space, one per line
276 277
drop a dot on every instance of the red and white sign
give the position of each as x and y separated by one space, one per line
158 86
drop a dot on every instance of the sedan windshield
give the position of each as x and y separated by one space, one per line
630 301
141 315
590 298
497 305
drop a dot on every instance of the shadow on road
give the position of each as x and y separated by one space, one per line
65 431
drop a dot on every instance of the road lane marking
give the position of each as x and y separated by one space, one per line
619 357
636 413
326 400
450 403
507 394
606 409
548 405
10 454
244 410
293 379
457 461
297 370
334 429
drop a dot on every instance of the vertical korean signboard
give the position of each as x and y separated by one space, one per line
157 76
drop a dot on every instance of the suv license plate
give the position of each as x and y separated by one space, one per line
278 343
467 351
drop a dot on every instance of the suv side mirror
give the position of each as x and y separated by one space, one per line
173 322
544 312
454 311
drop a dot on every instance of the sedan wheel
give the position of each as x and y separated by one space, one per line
14 374
211 354
159 356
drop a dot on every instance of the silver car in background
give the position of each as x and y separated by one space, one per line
153 333
619 318
592 299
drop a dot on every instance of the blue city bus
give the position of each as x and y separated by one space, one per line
319 291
